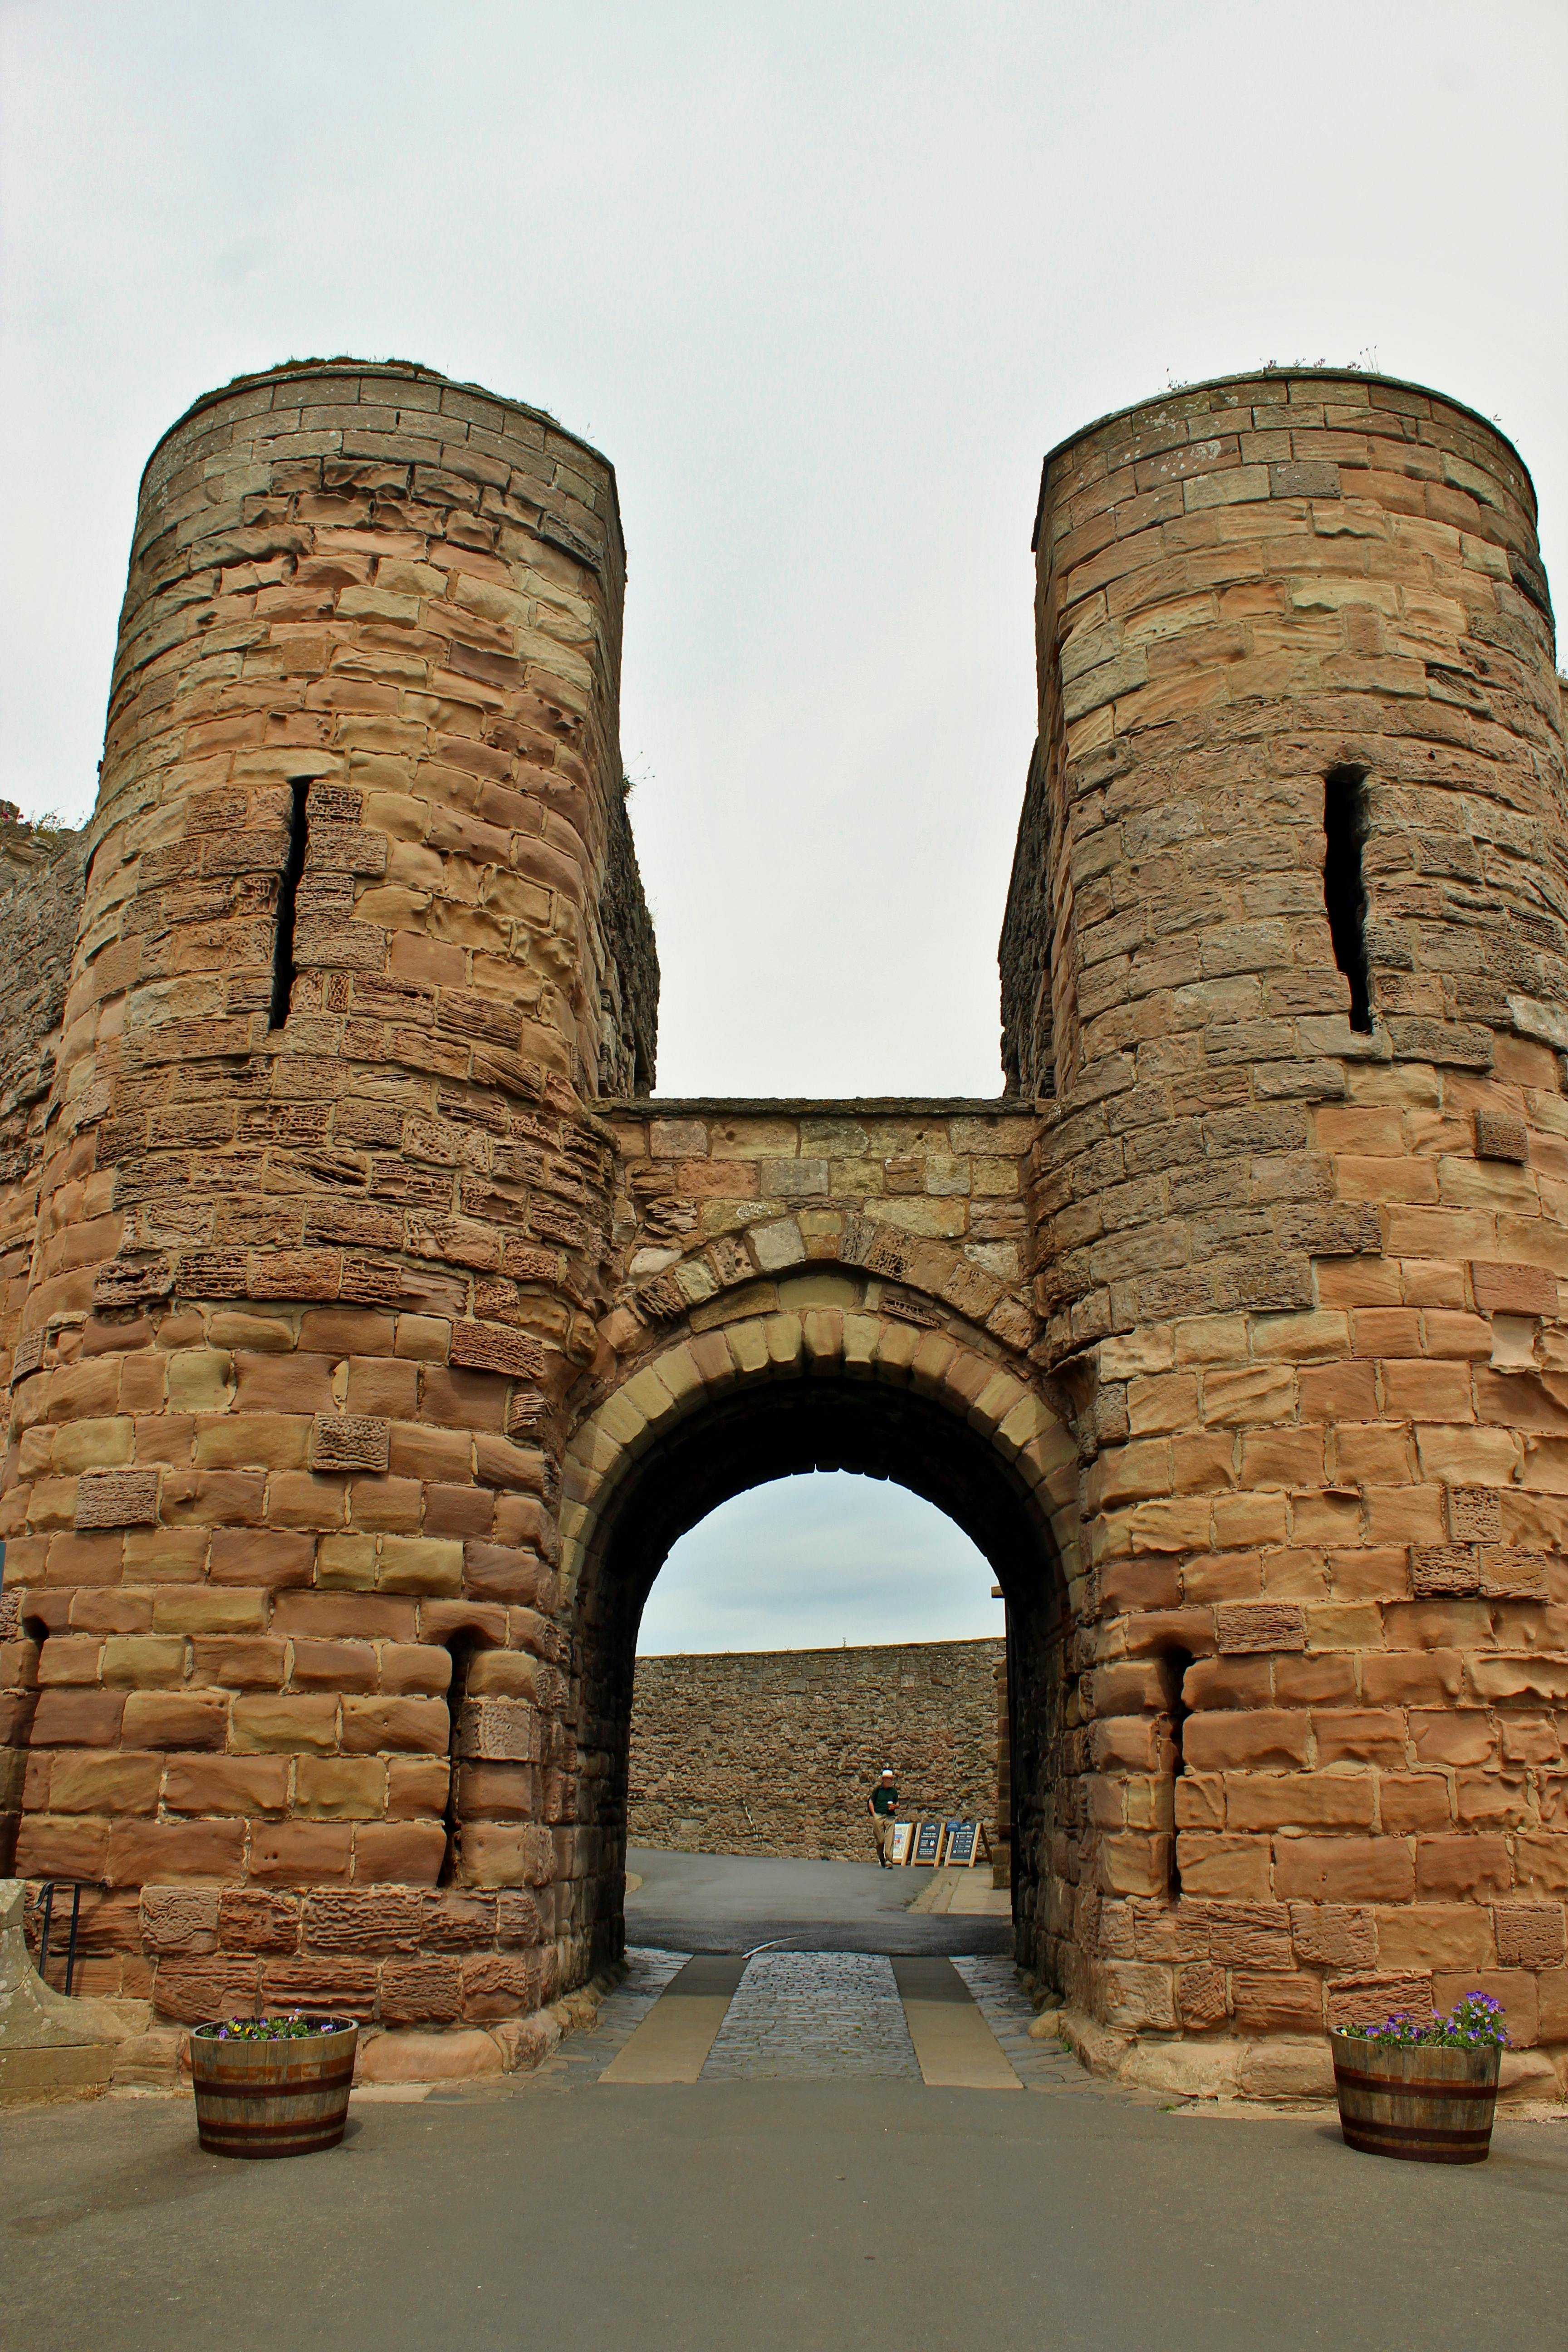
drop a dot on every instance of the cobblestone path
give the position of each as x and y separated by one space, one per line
812 2016
1045 2066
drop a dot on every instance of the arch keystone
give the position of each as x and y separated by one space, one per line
822 1333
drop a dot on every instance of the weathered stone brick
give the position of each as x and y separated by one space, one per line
342 1441
1244 1625
1513 1289
117 1499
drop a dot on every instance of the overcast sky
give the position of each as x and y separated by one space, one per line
824 282
808 1563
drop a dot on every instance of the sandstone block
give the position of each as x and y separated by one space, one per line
500 1730
300 1852
375 1725
421 1992
493 1347
250 1921
525 2043
180 1920
117 1499
1277 2004
175 1720
410 1852
342 1441
1500 1135
1530 1935
340 1788
1260 1625
1286 2069
139 1850
411 2057
247 1785
1343 1869
1506 1288
1476 1866
297 1724
340 1987
199 1992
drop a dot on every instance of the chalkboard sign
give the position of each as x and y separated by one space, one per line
961 1843
928 1845
898 1841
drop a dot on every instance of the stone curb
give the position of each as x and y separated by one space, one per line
160 2060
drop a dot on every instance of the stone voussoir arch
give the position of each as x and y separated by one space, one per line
828 1320
833 1371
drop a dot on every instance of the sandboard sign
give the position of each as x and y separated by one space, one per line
966 1841
899 1842
928 1845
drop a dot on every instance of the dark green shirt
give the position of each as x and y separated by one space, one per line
883 1798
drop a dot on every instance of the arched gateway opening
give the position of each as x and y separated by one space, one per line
813 1386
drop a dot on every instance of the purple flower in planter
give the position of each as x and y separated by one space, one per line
1476 2022
291 2025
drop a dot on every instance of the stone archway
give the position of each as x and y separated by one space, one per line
334 1206
827 1379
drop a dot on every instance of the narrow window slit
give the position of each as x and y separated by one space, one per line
283 965
460 1649
1344 883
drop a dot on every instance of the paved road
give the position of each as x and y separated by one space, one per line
733 1903
804 2186
772 2216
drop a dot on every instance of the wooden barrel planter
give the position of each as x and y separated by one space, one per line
1428 2103
286 2097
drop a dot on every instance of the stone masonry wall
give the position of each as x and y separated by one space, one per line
321 1232
41 877
713 1195
1306 1277
774 1752
41 881
629 979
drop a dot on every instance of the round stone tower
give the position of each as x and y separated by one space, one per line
324 1207
1288 944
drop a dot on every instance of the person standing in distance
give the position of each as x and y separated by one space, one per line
882 1804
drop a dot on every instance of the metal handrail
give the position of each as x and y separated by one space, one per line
50 1885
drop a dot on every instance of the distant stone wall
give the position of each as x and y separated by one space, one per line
773 1752
629 965
41 879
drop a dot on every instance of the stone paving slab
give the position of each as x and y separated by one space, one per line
954 2042
672 2043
